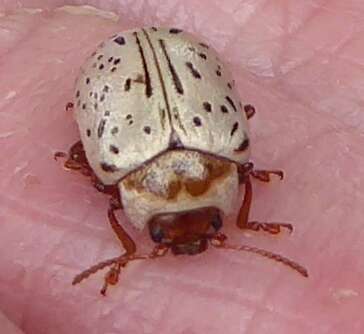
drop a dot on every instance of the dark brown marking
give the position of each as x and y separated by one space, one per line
231 102
78 93
114 149
87 81
114 130
175 77
154 29
218 73
191 49
148 86
235 127
139 79
202 55
101 67
107 113
88 132
110 59
95 95
100 57
106 89
204 45
127 84
175 31
224 109
147 129
197 121
91 94
84 106
116 61
108 168
119 40
113 69
131 122
101 128
243 146
128 116
102 98
229 85
207 106
93 54
194 72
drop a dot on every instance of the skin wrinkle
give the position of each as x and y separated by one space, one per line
221 281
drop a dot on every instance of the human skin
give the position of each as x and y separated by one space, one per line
300 63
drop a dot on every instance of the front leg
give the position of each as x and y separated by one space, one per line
243 218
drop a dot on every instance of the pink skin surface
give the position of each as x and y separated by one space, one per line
301 63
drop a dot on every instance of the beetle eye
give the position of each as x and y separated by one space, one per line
216 222
156 233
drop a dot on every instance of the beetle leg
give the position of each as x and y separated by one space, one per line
244 223
264 175
249 111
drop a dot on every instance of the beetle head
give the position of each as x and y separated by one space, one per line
185 232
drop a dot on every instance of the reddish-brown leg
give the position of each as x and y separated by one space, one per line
77 160
264 175
244 223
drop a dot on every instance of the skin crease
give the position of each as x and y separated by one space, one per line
301 65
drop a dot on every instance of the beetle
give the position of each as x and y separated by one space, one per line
165 135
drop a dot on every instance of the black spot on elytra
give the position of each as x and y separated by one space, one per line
101 128
119 40
243 146
229 85
116 61
108 168
202 55
147 129
88 132
224 109
84 106
231 102
127 84
100 57
87 81
101 67
102 98
106 89
197 121
128 116
194 72
131 122
204 45
218 73
207 106
114 149
114 130
110 59
113 69
175 31
107 113
235 127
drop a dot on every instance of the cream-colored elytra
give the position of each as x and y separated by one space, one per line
146 90
179 181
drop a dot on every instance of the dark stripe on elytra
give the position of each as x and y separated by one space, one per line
163 86
235 127
127 84
231 102
194 72
101 128
176 79
243 146
148 87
